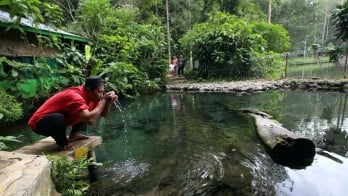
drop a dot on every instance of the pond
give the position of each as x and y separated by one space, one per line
195 144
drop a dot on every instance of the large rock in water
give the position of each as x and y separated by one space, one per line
284 146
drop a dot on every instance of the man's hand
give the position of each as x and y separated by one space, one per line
111 96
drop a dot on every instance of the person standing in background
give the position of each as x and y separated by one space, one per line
175 63
171 68
181 65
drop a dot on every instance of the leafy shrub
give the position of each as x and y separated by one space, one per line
10 109
72 66
126 79
122 46
4 139
65 174
227 46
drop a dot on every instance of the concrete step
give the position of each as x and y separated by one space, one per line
176 79
22 174
27 171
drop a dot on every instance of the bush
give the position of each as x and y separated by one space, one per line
65 173
227 46
10 110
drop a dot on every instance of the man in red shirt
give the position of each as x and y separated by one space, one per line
74 106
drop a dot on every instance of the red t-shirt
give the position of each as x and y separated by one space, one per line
68 102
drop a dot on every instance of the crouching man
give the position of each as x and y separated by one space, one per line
75 106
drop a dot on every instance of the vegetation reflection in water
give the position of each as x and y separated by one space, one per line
192 144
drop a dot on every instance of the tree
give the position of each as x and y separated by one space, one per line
229 47
91 17
340 20
35 10
131 55
276 36
68 7
269 11
168 33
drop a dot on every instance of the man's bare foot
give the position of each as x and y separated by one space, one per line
68 147
77 136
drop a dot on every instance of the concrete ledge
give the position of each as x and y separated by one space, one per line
26 171
22 174
49 146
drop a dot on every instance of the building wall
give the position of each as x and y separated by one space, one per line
14 44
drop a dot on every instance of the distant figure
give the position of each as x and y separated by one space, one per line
171 68
181 65
175 63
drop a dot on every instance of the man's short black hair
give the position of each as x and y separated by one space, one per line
93 82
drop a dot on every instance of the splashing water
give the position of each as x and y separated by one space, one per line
118 105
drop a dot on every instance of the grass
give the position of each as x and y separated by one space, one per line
310 67
326 70
306 60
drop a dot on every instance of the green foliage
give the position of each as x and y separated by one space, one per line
65 173
227 47
10 109
315 46
246 9
276 37
35 10
267 65
4 139
92 17
126 79
16 73
335 54
145 10
340 20
301 18
73 66
119 41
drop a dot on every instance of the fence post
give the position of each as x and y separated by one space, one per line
286 64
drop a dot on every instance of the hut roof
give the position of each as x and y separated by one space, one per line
28 25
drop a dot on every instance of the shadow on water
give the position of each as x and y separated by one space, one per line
188 144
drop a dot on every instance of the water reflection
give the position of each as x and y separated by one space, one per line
325 177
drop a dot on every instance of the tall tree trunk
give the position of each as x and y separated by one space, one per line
168 32
325 26
205 6
269 11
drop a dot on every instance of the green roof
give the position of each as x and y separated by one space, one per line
28 25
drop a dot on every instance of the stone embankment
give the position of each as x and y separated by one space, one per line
254 86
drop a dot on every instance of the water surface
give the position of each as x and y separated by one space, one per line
199 144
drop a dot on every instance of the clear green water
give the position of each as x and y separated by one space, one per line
198 144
